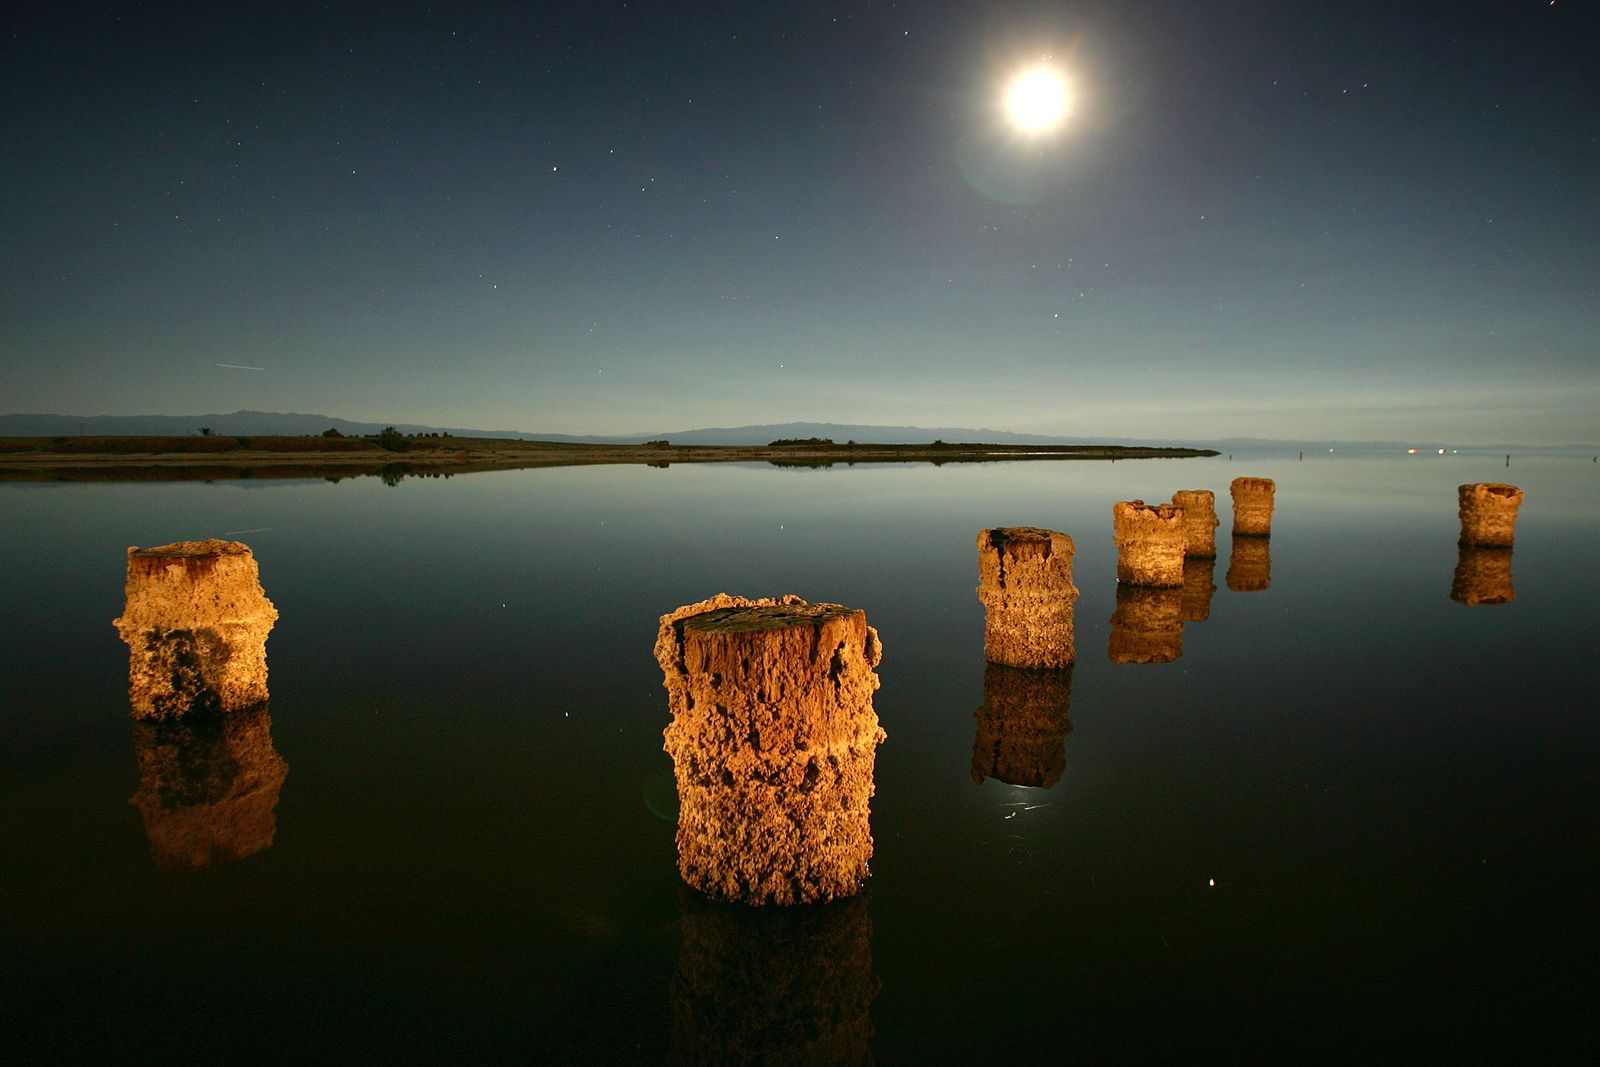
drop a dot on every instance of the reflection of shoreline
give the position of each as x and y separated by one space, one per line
208 787
473 455
1022 728
773 985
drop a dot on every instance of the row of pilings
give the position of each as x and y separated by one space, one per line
773 734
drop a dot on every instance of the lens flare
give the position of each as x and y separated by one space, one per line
1037 100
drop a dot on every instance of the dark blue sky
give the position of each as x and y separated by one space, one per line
1269 219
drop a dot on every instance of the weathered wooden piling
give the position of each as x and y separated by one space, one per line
1252 506
1198 586
1022 727
1147 626
1483 576
1025 584
773 985
1199 522
208 786
1489 513
196 622
1250 565
1150 543
773 739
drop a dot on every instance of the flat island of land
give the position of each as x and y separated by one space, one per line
393 456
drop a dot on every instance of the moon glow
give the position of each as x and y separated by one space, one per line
1036 100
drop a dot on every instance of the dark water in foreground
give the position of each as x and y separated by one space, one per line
1356 818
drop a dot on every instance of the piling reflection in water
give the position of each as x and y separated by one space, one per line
1147 626
1250 565
774 985
1198 587
208 786
195 620
1022 727
1483 576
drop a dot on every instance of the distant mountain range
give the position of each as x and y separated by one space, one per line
260 423
263 423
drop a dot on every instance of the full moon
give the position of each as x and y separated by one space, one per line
1037 100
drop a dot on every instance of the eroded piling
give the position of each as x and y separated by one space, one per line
1025 584
1150 543
1252 506
196 621
1199 522
1488 513
773 740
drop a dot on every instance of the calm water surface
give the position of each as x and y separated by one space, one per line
1356 818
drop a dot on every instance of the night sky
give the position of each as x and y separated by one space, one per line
1265 219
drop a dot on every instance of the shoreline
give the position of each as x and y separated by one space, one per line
210 458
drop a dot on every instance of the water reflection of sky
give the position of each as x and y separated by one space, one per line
1388 788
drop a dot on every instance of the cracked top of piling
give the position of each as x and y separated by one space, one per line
213 547
1026 542
1504 489
1001 535
1163 512
753 618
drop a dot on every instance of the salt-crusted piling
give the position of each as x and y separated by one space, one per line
1252 506
1147 626
1199 522
1023 726
1489 513
773 985
1483 576
1250 565
1150 542
1198 586
196 622
1025 584
773 739
208 786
